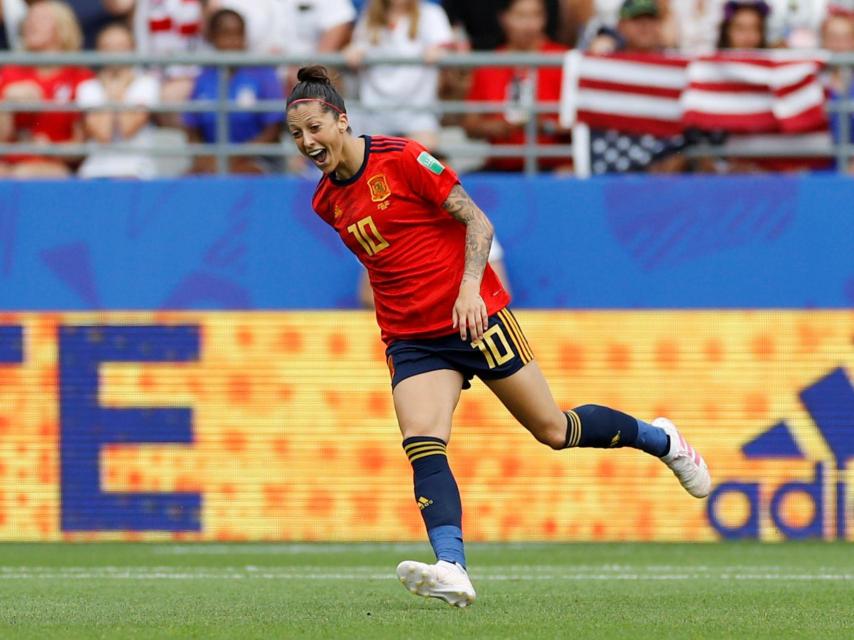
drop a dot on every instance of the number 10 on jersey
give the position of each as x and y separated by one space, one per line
368 235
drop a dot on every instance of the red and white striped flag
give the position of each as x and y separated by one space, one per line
628 92
663 95
754 94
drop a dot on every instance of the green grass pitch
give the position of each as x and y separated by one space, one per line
236 591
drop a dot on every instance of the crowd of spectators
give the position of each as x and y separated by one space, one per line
359 29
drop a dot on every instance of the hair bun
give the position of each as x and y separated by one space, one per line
315 73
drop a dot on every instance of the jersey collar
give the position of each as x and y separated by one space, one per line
358 174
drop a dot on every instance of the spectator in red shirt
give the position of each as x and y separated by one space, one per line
524 24
50 26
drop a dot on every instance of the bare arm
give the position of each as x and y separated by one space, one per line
335 39
6 128
98 125
130 122
478 125
469 313
479 232
269 134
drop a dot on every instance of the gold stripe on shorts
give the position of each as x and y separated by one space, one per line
521 333
522 347
513 337
573 435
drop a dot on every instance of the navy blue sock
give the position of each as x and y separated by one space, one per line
591 425
437 496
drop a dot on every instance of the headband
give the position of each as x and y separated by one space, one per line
330 105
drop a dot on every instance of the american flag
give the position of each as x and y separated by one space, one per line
754 94
663 95
626 92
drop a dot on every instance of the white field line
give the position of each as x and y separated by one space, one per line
514 573
323 548
284 549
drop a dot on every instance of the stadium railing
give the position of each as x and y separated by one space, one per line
222 150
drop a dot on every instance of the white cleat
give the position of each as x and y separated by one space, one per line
444 580
684 461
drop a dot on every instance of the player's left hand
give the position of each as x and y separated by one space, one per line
470 312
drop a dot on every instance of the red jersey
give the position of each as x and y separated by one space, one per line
497 84
390 215
59 87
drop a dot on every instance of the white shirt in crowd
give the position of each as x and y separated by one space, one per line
795 22
169 26
697 24
143 91
402 84
305 21
14 12
292 27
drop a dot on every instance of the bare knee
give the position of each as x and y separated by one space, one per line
549 430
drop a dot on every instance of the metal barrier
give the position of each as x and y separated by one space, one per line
531 151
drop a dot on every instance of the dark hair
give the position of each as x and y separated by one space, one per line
731 6
313 83
734 6
502 6
219 16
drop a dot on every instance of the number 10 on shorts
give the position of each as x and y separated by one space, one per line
494 354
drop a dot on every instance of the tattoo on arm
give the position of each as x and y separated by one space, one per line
478 231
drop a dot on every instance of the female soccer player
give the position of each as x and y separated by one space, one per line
443 315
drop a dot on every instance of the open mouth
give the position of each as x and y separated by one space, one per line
319 156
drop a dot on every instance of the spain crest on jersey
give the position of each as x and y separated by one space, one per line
379 188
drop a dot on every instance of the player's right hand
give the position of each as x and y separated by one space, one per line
469 314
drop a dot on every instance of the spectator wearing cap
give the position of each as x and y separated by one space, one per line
640 26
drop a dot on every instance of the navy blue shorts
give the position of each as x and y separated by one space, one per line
501 353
